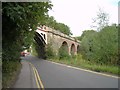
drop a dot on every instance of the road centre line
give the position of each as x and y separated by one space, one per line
84 70
39 80
37 77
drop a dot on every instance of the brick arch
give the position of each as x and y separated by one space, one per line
72 50
65 46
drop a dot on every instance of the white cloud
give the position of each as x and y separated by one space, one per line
78 14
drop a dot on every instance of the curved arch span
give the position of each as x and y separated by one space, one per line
40 45
72 49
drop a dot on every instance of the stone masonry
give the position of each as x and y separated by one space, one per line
56 39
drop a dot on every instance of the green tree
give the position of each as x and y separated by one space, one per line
49 52
19 21
63 28
87 43
63 53
51 22
101 47
101 20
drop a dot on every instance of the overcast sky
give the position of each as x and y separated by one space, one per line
78 14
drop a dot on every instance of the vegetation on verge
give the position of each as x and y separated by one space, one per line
78 61
49 52
63 53
9 77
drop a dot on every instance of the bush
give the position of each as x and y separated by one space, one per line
101 47
49 52
63 53
9 73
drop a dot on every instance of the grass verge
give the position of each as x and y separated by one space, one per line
9 78
81 63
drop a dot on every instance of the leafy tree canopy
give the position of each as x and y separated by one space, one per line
19 20
101 20
20 17
101 47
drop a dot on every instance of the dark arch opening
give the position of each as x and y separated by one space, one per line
65 46
63 50
78 49
40 45
72 49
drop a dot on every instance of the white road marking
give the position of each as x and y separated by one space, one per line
84 70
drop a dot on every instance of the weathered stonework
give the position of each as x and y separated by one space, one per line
56 39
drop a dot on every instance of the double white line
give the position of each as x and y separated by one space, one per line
37 77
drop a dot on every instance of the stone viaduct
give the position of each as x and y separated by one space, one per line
47 36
